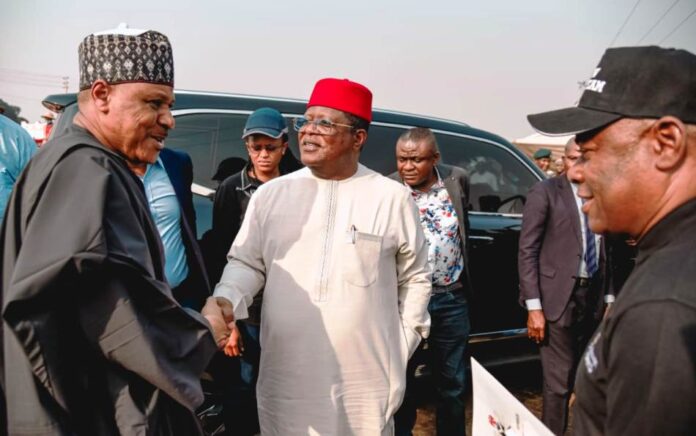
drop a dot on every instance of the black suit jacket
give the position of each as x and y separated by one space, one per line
180 171
550 249
456 182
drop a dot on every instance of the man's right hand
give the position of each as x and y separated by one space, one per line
220 314
227 310
536 325
233 345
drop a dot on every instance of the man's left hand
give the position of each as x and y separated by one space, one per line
234 347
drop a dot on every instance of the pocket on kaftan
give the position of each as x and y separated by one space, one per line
361 259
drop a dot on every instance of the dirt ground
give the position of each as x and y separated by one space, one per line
523 380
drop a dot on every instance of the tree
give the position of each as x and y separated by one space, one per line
11 112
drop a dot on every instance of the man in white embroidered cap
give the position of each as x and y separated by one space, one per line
94 342
636 128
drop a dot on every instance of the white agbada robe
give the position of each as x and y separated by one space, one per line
347 286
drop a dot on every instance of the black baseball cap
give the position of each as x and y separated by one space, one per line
629 82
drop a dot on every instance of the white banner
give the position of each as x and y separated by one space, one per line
497 412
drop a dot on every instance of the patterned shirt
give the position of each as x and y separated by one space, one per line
441 227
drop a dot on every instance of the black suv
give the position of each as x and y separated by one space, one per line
209 128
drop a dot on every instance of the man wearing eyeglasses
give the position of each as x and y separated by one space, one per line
341 256
266 138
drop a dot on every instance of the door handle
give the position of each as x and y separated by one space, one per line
481 240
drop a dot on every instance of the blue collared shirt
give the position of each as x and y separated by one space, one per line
166 212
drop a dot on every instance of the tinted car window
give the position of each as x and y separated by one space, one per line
499 180
208 139
379 153
214 142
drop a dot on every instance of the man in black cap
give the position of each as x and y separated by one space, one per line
636 126
94 342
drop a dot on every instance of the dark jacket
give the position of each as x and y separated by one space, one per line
231 201
456 181
550 248
94 342
196 287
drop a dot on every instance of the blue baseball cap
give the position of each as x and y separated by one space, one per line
265 121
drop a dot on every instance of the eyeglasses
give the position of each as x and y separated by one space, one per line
323 126
257 148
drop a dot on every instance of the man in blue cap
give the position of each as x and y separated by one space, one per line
266 138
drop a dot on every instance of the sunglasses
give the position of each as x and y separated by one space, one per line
270 148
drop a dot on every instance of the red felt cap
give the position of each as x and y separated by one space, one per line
344 95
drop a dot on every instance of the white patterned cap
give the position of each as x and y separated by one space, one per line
124 55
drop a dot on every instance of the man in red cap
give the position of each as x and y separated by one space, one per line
342 259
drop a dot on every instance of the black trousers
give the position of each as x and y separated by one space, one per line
565 341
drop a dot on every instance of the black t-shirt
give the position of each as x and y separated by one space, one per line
638 374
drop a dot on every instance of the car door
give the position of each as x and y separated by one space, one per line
499 181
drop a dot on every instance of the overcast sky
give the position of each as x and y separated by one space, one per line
488 64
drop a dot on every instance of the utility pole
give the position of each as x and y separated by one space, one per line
65 83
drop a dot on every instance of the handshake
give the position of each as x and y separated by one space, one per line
220 315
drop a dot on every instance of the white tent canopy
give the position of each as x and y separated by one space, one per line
530 144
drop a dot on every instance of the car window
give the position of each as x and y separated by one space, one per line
379 152
499 181
209 139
